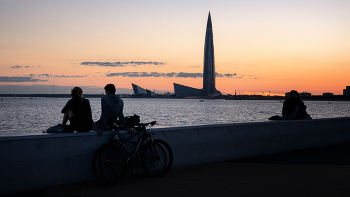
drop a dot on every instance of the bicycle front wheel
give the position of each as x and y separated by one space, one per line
156 158
108 164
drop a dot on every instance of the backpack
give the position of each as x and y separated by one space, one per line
132 121
60 128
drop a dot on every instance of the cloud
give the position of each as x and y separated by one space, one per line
29 78
189 75
115 64
18 66
33 77
225 75
167 75
44 75
146 74
70 75
48 89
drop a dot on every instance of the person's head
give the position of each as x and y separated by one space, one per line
77 93
294 94
110 89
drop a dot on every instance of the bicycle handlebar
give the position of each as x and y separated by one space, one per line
115 127
149 123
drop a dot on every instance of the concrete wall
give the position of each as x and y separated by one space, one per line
31 162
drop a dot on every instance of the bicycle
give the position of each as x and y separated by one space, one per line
111 161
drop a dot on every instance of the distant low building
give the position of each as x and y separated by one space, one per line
303 94
124 95
328 94
346 92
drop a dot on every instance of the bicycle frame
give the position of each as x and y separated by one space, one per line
145 136
115 159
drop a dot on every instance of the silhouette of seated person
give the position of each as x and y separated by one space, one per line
112 110
294 108
78 112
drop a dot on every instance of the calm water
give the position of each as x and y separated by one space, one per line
33 115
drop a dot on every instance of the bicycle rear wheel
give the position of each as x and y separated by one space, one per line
108 164
156 158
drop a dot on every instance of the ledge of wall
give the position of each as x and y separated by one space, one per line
37 161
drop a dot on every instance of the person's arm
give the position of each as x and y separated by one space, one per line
122 120
65 118
121 116
104 115
103 119
67 106
65 112
291 117
89 109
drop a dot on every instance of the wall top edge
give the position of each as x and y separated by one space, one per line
92 133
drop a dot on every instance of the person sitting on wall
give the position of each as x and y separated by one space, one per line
112 110
294 108
78 111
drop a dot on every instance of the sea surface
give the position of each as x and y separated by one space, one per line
32 115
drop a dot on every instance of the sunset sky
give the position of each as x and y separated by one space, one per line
260 45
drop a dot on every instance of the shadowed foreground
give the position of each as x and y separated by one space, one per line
313 172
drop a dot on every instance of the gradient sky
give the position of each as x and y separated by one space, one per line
260 45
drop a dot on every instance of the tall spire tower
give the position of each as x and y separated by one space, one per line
209 63
208 71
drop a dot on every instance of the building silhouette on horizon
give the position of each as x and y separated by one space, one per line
208 70
346 91
302 94
141 92
209 63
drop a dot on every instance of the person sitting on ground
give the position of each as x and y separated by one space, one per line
294 108
112 110
78 111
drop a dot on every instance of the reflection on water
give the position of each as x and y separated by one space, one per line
33 115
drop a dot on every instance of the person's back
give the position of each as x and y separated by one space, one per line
77 110
81 108
112 109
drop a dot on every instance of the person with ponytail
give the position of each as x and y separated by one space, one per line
78 112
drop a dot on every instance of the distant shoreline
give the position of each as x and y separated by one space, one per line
50 95
241 97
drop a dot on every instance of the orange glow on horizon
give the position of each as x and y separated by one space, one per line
269 47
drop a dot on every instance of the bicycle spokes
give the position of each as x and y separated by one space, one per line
157 158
